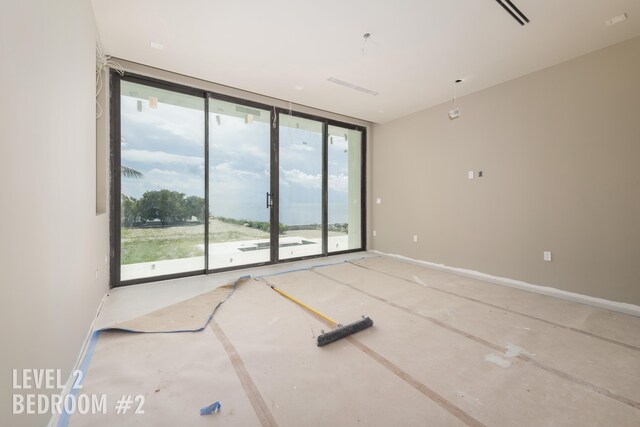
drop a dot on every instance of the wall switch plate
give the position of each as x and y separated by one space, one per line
470 174
374 233
378 200
546 255
415 237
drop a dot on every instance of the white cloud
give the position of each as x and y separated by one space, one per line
159 179
295 176
339 183
225 171
144 156
301 146
182 122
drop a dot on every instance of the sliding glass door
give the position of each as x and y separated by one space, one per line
162 145
239 184
300 179
344 176
204 182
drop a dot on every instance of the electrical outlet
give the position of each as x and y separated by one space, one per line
374 233
379 200
546 255
470 174
415 237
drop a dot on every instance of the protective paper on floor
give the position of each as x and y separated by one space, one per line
168 378
190 315
428 360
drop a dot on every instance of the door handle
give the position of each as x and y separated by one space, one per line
269 201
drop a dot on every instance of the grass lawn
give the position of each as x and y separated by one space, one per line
161 243
155 244
185 241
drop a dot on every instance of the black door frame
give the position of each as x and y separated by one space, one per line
115 187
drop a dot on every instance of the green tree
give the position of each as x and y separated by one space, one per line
129 210
194 206
128 172
164 205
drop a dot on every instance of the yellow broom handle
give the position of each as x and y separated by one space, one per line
300 303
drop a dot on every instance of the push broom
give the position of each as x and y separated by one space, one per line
340 331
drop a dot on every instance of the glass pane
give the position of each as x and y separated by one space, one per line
162 191
300 187
239 179
345 189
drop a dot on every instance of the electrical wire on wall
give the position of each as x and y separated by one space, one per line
103 62
455 112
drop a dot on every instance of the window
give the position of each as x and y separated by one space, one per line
162 182
345 189
197 191
239 181
300 200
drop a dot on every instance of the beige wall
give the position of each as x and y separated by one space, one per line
51 240
560 150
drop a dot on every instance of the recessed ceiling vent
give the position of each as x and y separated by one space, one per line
352 86
513 10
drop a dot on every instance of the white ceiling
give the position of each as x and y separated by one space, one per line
416 51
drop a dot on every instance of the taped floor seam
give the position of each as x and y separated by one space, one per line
409 379
569 328
496 347
253 394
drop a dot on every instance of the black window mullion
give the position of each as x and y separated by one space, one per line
325 188
206 183
275 186
115 216
363 190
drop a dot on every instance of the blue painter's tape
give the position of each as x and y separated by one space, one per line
214 407
63 421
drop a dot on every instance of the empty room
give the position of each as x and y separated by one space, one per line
334 213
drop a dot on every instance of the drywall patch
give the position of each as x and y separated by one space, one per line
497 360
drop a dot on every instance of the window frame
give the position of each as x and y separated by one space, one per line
115 180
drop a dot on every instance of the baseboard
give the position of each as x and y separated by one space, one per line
619 307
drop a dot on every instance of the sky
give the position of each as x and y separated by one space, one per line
166 145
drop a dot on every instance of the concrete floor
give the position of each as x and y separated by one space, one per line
444 350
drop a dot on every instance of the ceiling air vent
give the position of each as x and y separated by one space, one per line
513 10
352 86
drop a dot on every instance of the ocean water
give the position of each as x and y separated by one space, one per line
290 214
